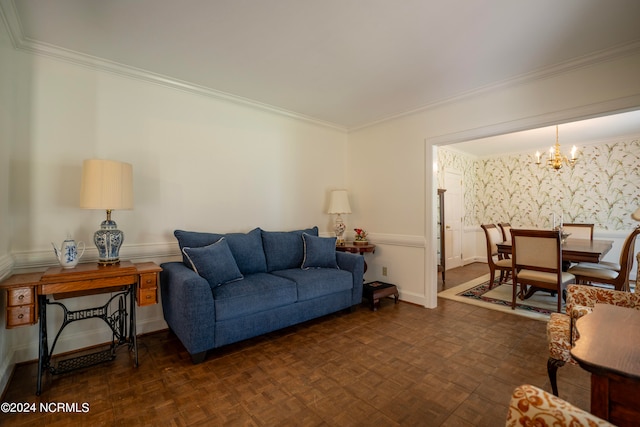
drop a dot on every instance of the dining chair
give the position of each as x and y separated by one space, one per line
537 263
505 227
587 273
561 333
579 231
494 259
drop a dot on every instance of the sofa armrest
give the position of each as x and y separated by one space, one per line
355 264
188 306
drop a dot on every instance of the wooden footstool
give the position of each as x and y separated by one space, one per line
373 291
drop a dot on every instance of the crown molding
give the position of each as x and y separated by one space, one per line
10 18
583 112
584 61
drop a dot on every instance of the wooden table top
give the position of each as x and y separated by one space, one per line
608 342
356 248
575 250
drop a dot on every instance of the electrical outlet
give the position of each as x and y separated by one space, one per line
384 271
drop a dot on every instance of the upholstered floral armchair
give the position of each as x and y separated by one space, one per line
561 331
531 406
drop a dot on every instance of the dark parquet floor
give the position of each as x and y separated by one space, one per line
455 365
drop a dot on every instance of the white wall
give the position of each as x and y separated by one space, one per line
199 163
7 87
393 178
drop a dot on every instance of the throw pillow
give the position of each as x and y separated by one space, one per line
319 252
215 263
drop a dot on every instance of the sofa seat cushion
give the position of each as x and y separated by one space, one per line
245 247
284 249
255 293
317 282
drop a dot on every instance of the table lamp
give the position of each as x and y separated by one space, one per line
108 185
339 204
636 215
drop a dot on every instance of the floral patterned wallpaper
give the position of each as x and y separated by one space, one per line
602 188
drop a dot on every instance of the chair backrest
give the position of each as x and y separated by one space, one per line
506 231
493 236
621 280
537 262
628 251
537 250
579 231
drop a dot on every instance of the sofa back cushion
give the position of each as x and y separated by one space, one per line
246 247
284 249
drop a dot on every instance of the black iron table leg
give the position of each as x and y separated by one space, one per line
132 324
43 345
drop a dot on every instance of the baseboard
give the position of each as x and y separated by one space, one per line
412 298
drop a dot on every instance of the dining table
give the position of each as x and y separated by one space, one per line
574 250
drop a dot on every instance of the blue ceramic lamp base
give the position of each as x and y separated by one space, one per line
108 241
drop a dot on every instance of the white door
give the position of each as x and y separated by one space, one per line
453 212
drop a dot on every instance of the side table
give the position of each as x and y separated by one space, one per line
357 249
375 290
29 295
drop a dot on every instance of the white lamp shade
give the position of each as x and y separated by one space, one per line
339 203
636 215
106 184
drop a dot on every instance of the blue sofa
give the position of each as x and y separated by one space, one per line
230 287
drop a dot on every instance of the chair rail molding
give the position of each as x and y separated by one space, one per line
407 240
41 259
6 265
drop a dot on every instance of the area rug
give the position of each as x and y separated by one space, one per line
476 292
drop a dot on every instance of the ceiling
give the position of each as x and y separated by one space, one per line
346 63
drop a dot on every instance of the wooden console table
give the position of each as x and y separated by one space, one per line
28 297
608 348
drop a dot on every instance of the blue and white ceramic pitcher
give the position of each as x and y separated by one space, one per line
68 253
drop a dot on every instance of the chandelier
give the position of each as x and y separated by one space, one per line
556 159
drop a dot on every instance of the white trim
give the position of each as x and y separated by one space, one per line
411 241
583 112
541 74
6 266
20 42
412 298
159 252
9 16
